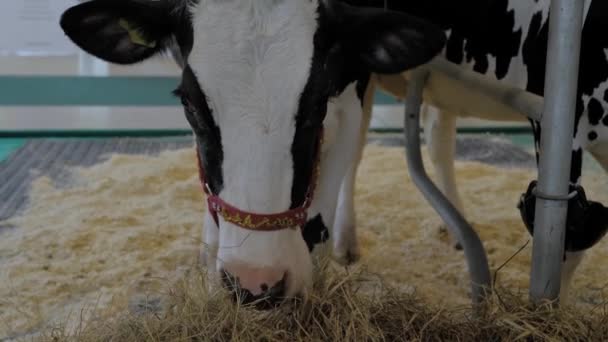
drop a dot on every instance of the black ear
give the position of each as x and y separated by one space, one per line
384 41
120 31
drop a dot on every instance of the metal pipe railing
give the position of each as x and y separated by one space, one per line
474 252
561 81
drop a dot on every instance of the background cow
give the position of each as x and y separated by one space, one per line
273 89
506 40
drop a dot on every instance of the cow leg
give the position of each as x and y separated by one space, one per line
596 221
587 220
600 220
342 126
440 137
208 253
573 259
600 153
346 248
209 248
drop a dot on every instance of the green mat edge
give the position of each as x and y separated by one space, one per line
101 91
8 146
13 140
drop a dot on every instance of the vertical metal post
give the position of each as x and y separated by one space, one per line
557 127
474 252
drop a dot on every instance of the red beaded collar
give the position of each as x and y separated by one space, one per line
292 218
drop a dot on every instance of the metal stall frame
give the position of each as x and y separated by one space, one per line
561 84
555 112
475 255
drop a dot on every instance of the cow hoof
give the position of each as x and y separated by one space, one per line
444 234
346 252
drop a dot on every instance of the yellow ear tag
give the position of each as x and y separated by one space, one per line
134 35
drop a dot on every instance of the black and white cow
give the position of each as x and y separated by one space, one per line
263 81
506 40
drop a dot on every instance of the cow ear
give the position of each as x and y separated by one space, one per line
119 31
384 41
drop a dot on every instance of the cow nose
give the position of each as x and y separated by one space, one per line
263 287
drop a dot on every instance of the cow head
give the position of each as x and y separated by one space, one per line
257 79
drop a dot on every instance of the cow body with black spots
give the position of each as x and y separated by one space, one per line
506 40
274 91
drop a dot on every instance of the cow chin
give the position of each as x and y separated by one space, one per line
264 264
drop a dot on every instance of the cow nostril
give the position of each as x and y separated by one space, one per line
270 297
278 290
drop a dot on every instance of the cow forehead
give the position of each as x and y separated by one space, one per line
252 58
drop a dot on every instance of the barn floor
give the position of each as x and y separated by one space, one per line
106 235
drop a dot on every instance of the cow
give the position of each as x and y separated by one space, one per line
274 91
506 40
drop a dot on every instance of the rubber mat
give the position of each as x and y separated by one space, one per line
489 150
52 157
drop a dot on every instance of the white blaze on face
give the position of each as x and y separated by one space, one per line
252 60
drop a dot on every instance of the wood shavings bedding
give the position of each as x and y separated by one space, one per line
130 224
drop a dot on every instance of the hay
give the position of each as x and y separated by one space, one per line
130 223
342 308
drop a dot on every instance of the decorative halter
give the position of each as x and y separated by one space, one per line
292 218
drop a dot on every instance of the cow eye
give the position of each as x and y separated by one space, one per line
190 108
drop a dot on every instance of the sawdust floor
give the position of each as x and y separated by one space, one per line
130 224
